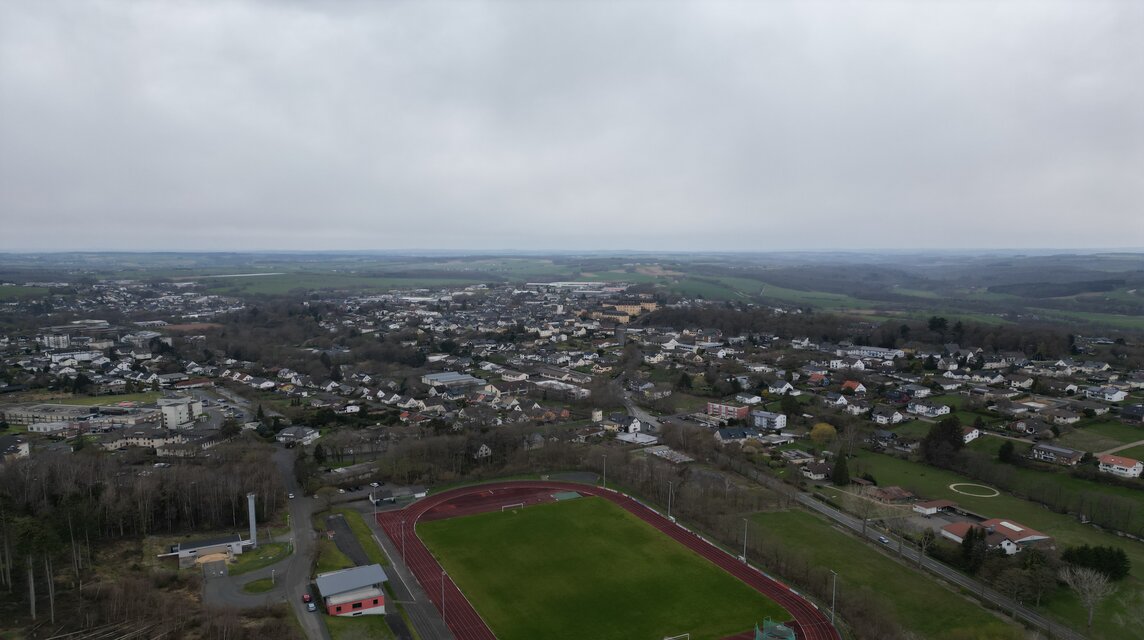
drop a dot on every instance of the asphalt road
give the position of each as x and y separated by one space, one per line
292 575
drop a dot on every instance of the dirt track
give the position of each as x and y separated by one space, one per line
466 624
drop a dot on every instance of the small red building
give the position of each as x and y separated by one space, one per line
353 592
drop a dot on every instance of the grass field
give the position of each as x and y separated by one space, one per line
1136 452
261 585
330 558
588 569
359 628
279 284
858 565
1101 436
16 292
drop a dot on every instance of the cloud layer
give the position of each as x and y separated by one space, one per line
570 125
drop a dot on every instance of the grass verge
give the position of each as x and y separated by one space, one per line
265 555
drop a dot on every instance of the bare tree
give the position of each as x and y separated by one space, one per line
1091 587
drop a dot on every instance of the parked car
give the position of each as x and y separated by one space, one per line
290 495
883 540
306 597
310 606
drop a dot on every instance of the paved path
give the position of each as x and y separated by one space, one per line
1121 448
463 619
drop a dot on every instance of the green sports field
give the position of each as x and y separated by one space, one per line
586 568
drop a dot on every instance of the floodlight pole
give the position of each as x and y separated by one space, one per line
669 492
442 595
744 539
605 471
403 540
833 595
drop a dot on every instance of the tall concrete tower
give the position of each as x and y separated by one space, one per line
253 528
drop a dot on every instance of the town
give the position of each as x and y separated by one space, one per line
993 459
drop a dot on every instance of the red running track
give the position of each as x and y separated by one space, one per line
462 618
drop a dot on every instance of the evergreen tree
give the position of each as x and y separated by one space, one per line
944 440
841 474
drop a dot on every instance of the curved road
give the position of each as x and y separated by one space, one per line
463 619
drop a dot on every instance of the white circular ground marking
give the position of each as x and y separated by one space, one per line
990 492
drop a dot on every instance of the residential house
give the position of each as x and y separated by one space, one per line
969 434
817 471
1107 394
1121 466
854 386
1006 535
885 415
1056 455
782 387
835 399
737 435
728 411
927 409
768 420
297 435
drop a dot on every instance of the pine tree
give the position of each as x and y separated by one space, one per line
841 474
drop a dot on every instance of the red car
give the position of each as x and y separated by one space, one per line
306 597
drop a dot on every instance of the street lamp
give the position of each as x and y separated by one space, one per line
833 595
272 575
443 596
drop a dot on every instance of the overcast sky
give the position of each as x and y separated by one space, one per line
561 124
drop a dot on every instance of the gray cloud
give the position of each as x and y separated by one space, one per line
571 125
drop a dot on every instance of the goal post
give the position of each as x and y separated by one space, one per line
508 507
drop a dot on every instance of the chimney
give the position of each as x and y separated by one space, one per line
253 529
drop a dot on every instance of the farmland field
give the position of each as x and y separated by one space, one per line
588 569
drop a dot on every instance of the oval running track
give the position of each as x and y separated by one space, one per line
809 622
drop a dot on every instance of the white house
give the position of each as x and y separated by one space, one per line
1108 394
297 435
1121 466
927 409
782 387
768 420
969 434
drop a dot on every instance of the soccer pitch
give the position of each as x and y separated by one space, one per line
586 568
